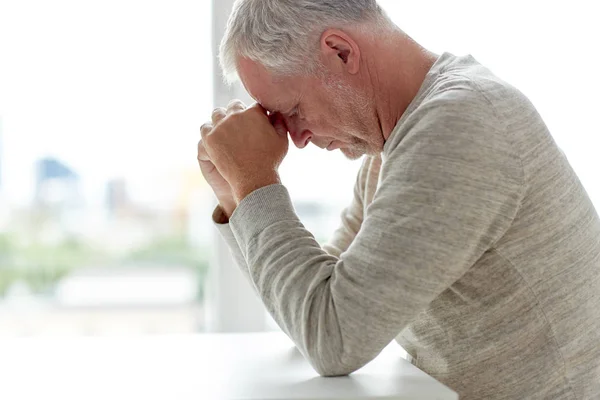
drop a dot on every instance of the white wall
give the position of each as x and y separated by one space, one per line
547 49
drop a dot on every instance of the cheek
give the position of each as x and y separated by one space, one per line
326 119
328 125
324 126
325 116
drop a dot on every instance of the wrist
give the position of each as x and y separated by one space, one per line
219 216
228 207
249 186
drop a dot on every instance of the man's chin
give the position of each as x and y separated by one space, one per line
352 154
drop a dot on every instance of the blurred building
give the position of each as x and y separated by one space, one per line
144 285
136 300
117 198
194 207
56 185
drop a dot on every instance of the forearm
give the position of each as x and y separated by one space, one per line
342 311
221 221
307 290
442 201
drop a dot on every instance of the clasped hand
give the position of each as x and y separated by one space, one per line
240 151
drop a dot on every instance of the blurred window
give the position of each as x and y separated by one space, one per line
104 217
102 207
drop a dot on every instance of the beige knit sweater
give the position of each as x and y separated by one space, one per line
471 241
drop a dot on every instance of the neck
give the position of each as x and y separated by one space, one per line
397 78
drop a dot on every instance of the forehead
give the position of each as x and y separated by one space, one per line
272 92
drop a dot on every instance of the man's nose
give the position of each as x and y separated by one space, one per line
301 138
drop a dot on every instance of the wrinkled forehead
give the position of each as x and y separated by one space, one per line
274 93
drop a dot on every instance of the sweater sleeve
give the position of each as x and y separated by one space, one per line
221 222
449 190
351 221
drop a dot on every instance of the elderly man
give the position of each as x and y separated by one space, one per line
470 240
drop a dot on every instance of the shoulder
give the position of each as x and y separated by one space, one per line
454 131
456 113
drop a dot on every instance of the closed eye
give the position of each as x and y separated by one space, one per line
294 112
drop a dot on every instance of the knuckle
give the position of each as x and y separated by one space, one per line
218 115
206 127
238 113
233 114
201 154
235 103
235 117
235 106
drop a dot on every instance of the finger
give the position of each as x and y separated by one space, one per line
202 154
218 114
258 108
235 106
205 129
207 167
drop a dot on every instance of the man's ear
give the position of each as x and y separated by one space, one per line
340 51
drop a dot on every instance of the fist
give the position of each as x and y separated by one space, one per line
246 147
219 185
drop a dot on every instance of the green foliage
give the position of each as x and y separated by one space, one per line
5 245
176 251
41 266
169 250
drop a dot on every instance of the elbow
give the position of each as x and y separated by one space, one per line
335 370
334 367
330 358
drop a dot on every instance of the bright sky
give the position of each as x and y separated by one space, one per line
120 87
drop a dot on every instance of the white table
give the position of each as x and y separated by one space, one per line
200 367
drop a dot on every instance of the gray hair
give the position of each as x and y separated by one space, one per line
282 35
